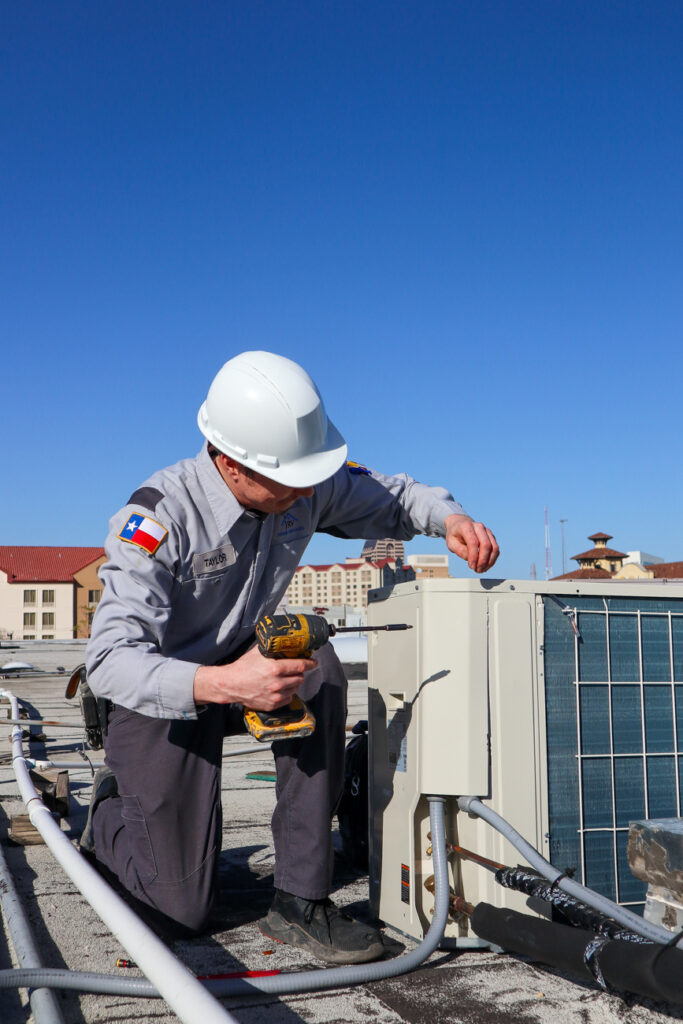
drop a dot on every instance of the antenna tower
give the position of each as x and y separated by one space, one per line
564 550
548 560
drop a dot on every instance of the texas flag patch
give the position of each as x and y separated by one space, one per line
144 532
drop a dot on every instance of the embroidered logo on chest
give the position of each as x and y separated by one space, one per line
290 527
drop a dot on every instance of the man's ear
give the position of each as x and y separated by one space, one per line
227 467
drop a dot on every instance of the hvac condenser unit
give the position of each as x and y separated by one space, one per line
559 703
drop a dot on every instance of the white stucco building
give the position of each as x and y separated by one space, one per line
48 593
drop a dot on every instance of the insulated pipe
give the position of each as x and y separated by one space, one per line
627 918
184 994
43 1001
643 969
283 984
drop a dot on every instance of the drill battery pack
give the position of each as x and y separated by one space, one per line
291 722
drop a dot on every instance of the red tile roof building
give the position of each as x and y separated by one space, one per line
585 574
45 565
602 563
343 583
48 592
666 570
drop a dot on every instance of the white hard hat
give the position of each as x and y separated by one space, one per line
265 412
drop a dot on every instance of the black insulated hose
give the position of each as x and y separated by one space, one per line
651 970
573 909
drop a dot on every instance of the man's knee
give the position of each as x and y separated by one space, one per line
178 880
184 906
329 662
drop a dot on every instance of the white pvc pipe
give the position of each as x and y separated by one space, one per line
41 765
26 723
186 996
44 1001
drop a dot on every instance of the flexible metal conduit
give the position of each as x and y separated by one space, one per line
43 1001
184 994
283 984
654 932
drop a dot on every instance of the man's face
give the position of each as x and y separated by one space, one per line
258 492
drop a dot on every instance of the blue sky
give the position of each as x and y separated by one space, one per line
464 219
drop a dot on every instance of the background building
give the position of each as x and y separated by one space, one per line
382 564
429 567
603 563
642 558
374 550
344 583
48 593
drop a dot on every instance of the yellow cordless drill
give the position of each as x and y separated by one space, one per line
293 636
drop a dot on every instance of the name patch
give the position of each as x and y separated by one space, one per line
213 561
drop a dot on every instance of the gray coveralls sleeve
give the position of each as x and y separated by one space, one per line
124 657
358 502
194 600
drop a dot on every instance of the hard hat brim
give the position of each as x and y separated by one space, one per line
305 471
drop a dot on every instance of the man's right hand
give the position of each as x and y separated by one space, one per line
252 680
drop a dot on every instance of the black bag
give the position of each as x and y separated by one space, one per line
352 812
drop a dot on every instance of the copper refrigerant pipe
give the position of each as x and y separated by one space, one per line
458 904
492 865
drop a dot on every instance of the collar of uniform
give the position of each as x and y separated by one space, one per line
223 503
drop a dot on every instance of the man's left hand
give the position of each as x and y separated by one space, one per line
471 541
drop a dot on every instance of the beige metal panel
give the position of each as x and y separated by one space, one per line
434 675
392 673
393 791
516 768
467 673
428 709
453 719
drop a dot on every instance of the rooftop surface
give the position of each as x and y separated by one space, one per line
451 987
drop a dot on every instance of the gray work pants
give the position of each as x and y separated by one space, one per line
161 836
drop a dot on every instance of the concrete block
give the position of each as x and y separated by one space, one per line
655 853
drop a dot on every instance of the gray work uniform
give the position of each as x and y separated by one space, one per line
189 572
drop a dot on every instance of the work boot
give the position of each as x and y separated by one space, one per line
319 927
104 785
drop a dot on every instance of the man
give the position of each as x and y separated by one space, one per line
196 557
